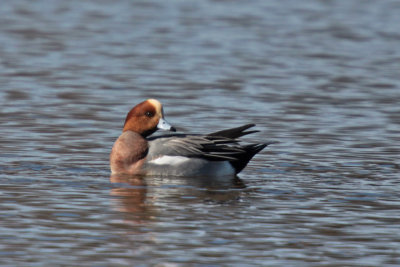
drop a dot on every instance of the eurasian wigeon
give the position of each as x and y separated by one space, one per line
216 154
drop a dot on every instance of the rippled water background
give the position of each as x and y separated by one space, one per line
320 77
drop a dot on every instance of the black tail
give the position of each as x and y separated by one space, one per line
244 158
248 151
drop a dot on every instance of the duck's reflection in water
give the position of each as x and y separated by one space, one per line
144 196
131 191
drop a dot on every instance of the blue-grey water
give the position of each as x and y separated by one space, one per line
320 77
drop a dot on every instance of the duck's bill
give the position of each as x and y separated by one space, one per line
164 125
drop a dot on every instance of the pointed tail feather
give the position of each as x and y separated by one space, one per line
235 132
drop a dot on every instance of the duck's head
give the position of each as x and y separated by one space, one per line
147 117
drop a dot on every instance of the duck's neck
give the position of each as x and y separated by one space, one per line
128 153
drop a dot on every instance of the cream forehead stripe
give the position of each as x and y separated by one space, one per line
156 104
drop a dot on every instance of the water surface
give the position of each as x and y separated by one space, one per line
319 77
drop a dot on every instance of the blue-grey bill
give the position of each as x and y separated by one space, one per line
164 125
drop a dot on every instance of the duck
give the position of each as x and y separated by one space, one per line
136 152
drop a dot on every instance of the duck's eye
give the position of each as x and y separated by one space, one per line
149 114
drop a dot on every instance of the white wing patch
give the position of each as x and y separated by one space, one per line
169 160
